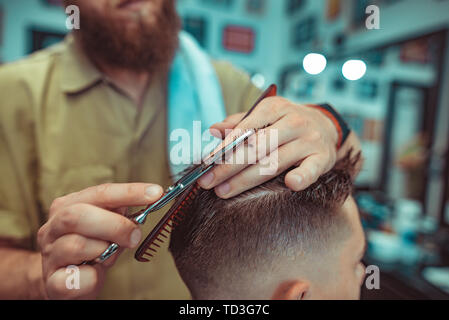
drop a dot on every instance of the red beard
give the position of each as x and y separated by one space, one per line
149 45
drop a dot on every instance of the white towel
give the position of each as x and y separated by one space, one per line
194 94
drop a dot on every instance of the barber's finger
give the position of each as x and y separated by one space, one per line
71 249
268 111
82 282
261 116
113 195
308 172
259 146
267 168
93 222
226 125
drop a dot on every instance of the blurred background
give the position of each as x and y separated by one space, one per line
385 68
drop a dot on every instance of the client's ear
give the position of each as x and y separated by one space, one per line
291 290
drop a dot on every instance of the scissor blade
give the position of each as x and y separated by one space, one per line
173 192
207 164
214 157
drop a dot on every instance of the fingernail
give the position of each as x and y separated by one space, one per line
135 238
207 179
153 191
223 189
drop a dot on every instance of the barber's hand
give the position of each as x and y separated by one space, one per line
81 226
307 139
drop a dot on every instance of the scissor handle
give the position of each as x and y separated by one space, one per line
113 247
140 216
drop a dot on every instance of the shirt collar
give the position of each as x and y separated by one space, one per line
79 72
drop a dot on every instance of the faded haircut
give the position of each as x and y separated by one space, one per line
223 243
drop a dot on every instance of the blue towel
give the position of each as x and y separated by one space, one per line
194 94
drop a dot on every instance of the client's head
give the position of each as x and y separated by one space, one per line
274 243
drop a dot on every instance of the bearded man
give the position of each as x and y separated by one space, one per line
94 113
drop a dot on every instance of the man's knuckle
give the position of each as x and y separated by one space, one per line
56 204
263 107
270 100
315 136
289 107
278 100
283 106
269 105
123 227
41 234
76 244
68 219
224 170
296 121
46 249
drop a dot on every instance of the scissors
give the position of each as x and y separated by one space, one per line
188 179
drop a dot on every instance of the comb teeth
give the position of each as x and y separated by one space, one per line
172 218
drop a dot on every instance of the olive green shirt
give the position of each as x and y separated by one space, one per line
65 127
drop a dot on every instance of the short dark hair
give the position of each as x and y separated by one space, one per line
220 239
